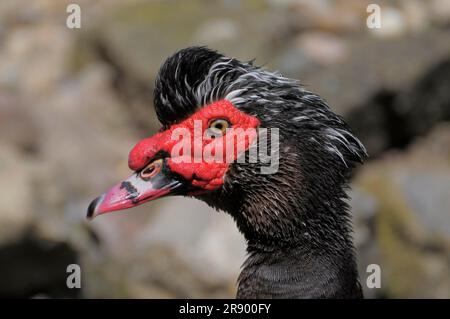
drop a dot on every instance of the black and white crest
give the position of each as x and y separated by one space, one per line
197 76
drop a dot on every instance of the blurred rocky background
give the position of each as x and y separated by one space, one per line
74 102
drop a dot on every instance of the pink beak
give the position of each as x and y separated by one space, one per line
135 191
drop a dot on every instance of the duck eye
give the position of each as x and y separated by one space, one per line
218 127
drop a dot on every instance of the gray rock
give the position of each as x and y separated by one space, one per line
410 228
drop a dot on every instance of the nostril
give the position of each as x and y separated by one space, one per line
151 170
148 170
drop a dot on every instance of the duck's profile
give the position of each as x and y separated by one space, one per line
295 219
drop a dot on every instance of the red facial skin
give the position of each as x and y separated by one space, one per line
206 175
201 173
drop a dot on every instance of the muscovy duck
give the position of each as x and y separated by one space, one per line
296 220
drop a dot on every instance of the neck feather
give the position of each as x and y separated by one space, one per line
297 226
309 255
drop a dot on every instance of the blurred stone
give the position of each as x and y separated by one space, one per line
217 30
374 65
28 65
17 127
35 268
325 15
440 10
170 276
411 225
322 48
393 119
209 242
393 23
125 32
294 61
364 207
416 14
16 197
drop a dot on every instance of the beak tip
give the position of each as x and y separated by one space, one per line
92 209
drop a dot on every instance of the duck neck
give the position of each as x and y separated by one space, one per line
298 253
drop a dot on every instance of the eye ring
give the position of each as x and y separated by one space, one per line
151 169
218 127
